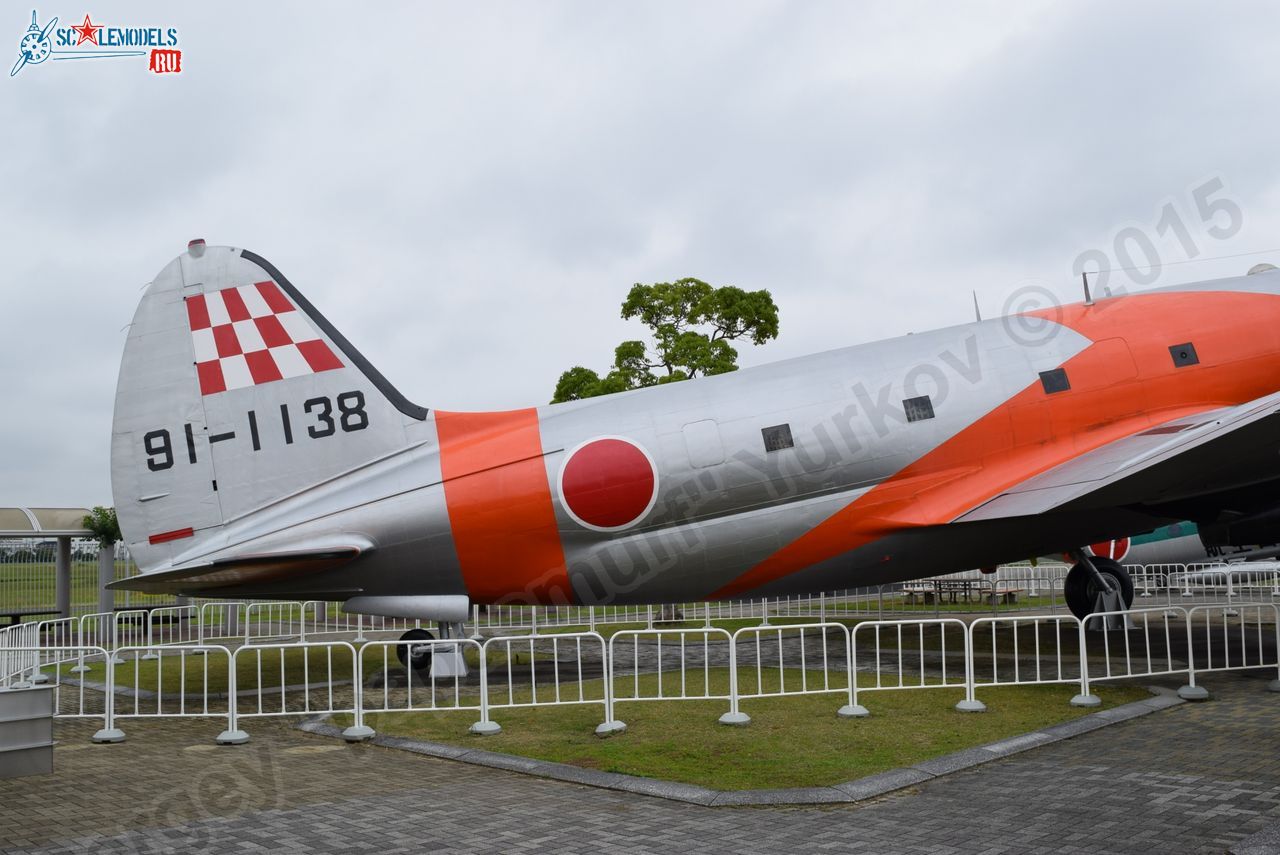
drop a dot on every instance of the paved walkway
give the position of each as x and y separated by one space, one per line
1197 778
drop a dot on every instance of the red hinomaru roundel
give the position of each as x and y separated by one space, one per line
608 483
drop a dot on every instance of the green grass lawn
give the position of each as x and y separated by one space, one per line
791 742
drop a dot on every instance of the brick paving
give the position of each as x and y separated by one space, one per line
1196 778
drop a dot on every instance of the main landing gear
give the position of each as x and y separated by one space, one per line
416 655
421 654
1096 585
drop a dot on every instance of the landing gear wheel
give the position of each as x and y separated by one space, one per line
1082 589
417 656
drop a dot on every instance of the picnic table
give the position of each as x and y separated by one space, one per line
972 590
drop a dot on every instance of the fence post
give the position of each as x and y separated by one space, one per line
360 639
853 709
486 726
970 702
109 731
233 735
734 716
1085 698
358 731
1192 692
610 725
649 615
112 658
80 667
151 653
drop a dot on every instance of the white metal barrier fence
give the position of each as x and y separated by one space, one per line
156 677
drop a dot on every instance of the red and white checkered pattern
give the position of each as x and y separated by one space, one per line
250 335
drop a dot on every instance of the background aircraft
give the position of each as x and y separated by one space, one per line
256 453
1178 543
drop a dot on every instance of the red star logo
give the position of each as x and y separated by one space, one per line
87 32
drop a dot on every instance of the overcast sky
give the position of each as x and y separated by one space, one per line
468 190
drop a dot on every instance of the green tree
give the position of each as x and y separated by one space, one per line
104 525
692 325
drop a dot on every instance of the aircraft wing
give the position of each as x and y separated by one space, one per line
1177 460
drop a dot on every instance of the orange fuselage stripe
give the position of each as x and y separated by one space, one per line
500 511
1237 339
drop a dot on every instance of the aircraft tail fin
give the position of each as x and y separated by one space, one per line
235 392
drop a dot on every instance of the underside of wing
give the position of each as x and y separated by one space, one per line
1168 466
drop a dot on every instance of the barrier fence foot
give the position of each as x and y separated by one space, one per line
108 735
1273 686
22 684
735 719
1193 693
359 734
1086 701
149 656
232 737
974 705
609 728
485 728
40 679
79 669
853 711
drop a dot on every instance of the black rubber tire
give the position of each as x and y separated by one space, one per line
1081 589
421 659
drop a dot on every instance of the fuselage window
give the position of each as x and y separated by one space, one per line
918 409
1184 355
777 438
1054 381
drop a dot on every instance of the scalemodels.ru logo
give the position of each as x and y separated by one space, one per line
98 41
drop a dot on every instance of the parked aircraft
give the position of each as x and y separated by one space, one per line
257 453
1179 543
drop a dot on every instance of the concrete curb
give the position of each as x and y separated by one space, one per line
845 793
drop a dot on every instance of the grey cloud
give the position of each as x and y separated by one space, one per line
470 189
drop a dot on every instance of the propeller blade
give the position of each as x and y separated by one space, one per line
47 27
17 66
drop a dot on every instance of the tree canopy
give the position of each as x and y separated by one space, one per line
104 525
692 325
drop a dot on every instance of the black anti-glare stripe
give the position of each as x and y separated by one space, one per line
392 394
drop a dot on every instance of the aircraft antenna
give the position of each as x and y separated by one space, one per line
1088 299
977 313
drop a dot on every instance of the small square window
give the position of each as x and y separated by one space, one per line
918 409
1184 354
1054 381
777 438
